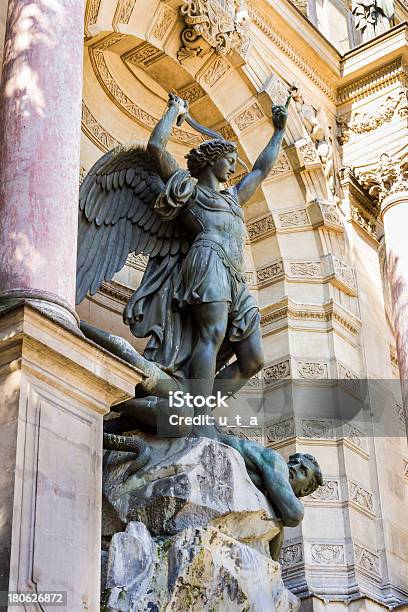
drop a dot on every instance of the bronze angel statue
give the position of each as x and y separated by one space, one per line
193 302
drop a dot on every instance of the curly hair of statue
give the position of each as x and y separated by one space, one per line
208 153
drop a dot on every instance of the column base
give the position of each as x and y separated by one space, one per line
49 304
55 388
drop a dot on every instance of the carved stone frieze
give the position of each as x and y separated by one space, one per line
128 106
348 378
340 274
248 116
360 496
192 93
293 218
395 71
269 273
367 560
282 166
163 22
124 11
360 122
277 90
291 555
307 269
95 132
330 491
212 24
355 437
363 221
144 54
277 371
82 174
328 554
215 71
138 261
280 430
315 428
246 433
312 370
108 41
92 11
325 213
260 228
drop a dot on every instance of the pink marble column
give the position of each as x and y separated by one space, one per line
390 181
40 118
394 213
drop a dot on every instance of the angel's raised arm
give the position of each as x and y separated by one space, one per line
166 164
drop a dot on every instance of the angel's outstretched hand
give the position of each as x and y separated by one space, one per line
180 104
280 115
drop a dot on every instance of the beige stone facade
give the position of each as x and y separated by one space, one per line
315 250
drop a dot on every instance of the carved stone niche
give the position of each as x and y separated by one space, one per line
221 25
303 155
323 212
340 274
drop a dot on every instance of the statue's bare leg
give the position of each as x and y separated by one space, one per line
211 321
249 361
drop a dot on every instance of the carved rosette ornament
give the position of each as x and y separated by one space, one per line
213 24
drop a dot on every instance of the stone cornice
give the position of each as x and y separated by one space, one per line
374 81
266 25
372 55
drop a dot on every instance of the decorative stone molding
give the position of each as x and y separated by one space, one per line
349 379
108 41
328 554
325 213
144 54
304 269
267 26
324 315
163 22
219 26
295 218
360 122
95 132
215 71
312 370
260 228
116 291
271 272
292 554
303 155
277 371
127 106
248 116
355 438
317 428
405 468
363 221
123 11
82 174
276 89
340 274
402 415
139 262
329 492
389 177
246 433
92 10
195 92
381 78
301 5
366 560
360 497
280 430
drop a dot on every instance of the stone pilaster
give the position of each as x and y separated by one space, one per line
55 388
40 115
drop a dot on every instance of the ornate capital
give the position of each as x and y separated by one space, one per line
389 178
211 24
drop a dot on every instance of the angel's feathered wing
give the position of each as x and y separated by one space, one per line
117 217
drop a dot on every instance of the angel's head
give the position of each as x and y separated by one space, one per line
219 155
